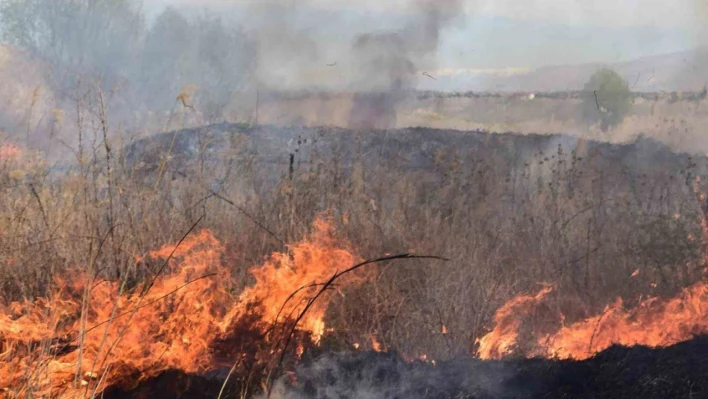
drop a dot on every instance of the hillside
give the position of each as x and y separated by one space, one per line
682 71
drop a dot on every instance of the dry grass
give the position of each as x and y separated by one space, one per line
560 216
676 122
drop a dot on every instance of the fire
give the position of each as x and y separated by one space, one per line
92 334
9 152
654 323
375 345
502 340
283 274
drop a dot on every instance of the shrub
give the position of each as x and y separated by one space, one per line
607 99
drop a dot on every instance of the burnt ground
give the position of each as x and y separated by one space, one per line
679 371
409 149
274 153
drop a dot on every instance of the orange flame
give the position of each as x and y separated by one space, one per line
9 152
375 345
654 323
107 333
90 334
283 274
502 340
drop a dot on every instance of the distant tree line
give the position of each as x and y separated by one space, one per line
110 41
560 95
606 97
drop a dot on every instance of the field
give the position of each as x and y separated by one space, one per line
673 118
290 200
176 251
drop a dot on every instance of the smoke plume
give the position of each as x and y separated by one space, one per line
388 64
701 21
214 64
373 375
378 65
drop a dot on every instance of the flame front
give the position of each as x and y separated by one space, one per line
283 274
92 334
502 340
654 323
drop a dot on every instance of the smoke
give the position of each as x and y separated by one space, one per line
389 64
373 375
701 21
299 50
213 63
285 47
385 70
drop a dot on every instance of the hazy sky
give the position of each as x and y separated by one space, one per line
573 12
502 33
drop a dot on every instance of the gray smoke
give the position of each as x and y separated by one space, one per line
379 66
384 71
386 375
214 64
701 21
389 64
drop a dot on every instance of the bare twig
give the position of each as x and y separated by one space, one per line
594 331
41 207
249 216
324 288
147 289
152 302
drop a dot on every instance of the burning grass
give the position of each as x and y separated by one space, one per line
654 323
102 288
91 334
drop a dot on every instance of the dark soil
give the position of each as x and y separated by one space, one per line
679 371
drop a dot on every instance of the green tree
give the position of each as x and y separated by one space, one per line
607 100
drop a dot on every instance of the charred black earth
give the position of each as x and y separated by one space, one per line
276 151
679 371
411 148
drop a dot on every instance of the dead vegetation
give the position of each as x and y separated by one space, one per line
510 211
96 209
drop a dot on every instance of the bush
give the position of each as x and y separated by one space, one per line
608 99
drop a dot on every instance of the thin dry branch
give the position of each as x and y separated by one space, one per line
324 288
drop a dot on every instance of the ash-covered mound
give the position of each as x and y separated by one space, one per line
678 371
275 150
